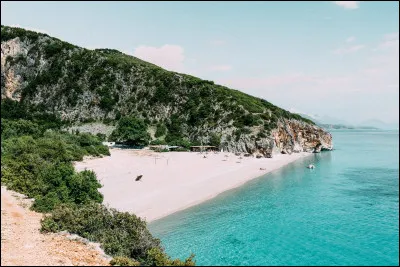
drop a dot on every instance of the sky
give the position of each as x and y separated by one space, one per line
330 58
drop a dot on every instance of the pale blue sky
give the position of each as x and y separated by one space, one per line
326 58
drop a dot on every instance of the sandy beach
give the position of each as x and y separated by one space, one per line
173 181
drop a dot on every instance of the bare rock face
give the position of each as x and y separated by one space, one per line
291 136
10 78
318 148
297 136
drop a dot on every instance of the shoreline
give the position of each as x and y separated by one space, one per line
173 181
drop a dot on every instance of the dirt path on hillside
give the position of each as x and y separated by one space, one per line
23 244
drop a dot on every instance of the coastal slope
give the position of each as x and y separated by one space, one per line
22 244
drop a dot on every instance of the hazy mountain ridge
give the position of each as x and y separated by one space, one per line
334 123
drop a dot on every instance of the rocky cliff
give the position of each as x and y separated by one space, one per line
102 85
291 136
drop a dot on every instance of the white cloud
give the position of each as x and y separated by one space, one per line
220 67
348 47
390 40
348 4
384 62
373 71
391 36
350 39
29 28
347 50
170 57
192 60
217 42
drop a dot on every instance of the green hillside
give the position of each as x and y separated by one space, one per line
82 85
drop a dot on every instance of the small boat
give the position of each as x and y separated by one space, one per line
311 166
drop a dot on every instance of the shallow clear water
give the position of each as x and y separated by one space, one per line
344 212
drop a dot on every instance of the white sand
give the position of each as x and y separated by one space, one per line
174 180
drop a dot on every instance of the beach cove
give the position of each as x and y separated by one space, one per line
173 181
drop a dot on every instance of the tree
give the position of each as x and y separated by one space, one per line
161 130
215 140
132 131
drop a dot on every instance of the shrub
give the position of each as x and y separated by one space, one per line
123 261
177 141
156 257
215 140
41 168
158 142
101 136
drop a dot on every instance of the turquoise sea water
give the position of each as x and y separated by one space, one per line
344 212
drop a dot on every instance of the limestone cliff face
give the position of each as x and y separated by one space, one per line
82 85
291 136
10 76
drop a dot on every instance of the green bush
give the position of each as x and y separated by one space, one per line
156 257
158 142
177 141
14 110
41 168
101 136
123 261
14 128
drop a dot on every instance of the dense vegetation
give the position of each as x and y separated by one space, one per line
36 160
38 163
106 85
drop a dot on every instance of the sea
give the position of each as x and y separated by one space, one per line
343 212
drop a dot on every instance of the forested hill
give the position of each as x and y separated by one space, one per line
82 85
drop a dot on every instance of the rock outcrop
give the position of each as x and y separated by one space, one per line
291 136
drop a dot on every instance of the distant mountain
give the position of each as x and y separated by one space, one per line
380 124
308 116
331 120
323 119
328 122
342 126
